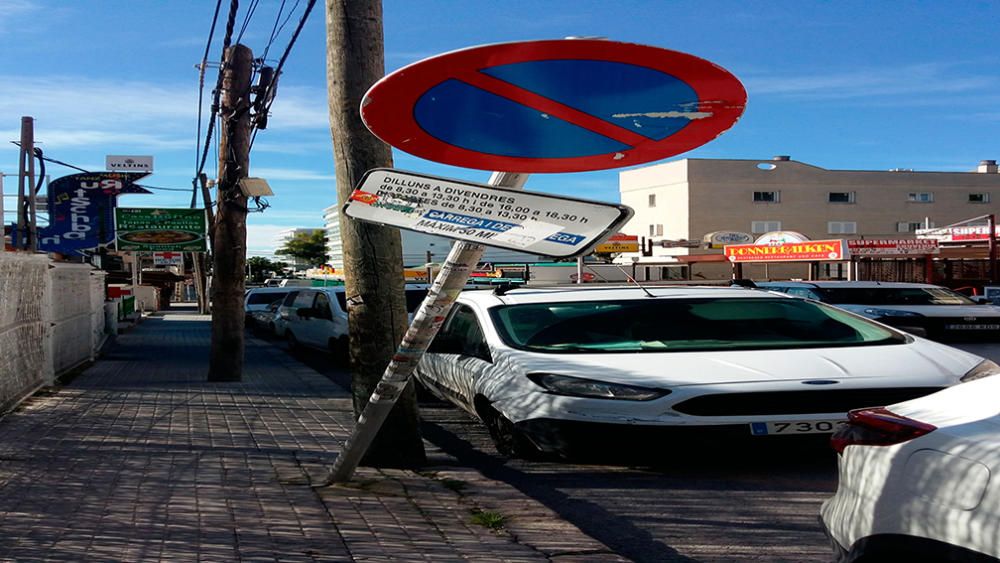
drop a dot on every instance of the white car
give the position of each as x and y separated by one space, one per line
258 298
549 367
920 308
920 480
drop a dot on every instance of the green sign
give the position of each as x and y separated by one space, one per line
140 228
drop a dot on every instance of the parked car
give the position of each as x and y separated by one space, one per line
317 317
262 321
918 479
546 369
258 298
923 309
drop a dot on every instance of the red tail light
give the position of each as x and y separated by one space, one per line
877 427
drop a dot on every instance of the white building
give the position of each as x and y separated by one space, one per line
283 237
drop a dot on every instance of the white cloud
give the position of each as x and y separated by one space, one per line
291 174
916 79
261 238
10 8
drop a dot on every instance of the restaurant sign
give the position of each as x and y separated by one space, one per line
893 247
178 230
811 251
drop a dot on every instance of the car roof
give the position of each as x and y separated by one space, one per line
269 290
851 284
609 292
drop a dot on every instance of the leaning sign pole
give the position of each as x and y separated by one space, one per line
534 106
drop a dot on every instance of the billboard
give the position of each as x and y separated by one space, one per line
160 229
811 251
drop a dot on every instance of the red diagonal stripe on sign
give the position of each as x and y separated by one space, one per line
551 107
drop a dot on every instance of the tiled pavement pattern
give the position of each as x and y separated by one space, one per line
140 459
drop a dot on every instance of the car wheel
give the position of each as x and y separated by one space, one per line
507 439
293 343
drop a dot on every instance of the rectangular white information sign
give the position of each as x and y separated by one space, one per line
118 163
544 224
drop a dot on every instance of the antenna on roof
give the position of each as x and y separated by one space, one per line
502 288
629 278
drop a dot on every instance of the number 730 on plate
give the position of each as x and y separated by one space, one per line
795 427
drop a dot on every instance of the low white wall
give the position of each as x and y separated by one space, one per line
52 319
25 360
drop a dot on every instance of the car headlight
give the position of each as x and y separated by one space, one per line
890 313
580 387
983 369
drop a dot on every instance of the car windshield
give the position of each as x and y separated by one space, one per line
681 325
893 296
265 297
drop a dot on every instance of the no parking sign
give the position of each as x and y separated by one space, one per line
554 106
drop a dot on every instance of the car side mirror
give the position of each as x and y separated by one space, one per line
305 312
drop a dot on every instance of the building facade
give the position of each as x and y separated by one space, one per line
686 199
283 237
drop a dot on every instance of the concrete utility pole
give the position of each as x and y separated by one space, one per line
229 241
27 232
373 255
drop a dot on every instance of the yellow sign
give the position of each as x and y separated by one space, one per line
612 247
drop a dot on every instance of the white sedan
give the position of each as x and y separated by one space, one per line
919 480
547 368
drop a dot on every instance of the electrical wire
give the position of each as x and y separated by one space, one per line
38 153
276 29
201 92
281 63
246 20
234 6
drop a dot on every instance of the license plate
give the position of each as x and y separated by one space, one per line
795 427
972 327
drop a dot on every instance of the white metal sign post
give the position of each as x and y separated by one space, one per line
454 274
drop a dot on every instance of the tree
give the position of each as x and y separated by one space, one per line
261 268
373 255
307 247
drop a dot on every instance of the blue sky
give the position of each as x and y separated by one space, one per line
844 85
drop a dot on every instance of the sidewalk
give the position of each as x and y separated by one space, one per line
139 459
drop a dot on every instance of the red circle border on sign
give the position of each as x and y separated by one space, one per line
387 108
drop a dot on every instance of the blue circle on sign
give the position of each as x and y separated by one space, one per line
655 106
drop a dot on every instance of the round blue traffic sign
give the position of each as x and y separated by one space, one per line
553 106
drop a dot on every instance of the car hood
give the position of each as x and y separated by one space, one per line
977 311
918 363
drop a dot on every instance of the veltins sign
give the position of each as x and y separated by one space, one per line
129 163
619 242
811 251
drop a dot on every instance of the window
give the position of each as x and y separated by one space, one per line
842 227
652 200
760 227
652 230
659 230
841 197
679 325
979 198
290 298
921 197
766 197
264 297
462 335
912 226
322 307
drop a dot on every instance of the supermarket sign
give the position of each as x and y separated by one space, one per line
809 251
893 247
957 234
